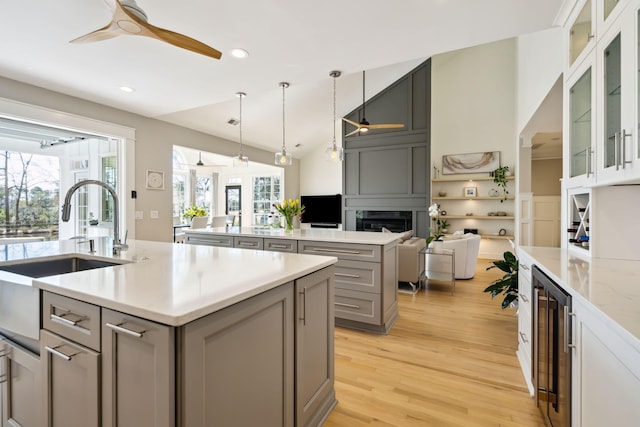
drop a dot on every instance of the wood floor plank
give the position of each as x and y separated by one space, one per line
449 361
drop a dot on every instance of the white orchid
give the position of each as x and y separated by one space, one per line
436 232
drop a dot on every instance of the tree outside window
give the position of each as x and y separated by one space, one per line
266 192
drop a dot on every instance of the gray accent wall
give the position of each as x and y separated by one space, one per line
388 169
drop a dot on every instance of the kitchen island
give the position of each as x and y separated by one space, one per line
171 335
602 332
366 277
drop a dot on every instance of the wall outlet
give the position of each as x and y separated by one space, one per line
139 215
153 214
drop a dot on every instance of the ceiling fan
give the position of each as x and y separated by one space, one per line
200 164
364 125
130 19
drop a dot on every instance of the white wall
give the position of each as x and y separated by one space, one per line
154 141
473 109
540 59
319 176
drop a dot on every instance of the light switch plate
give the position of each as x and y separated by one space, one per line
139 215
153 214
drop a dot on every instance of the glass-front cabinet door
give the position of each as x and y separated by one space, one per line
581 32
581 127
617 151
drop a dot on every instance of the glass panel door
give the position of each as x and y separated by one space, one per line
580 126
580 33
233 203
613 105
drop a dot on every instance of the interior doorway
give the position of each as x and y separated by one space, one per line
233 202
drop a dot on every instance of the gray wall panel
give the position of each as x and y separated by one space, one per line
384 172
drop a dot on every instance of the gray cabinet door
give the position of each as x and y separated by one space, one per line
19 386
314 347
70 383
138 372
238 364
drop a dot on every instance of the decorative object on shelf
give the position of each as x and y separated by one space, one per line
508 284
155 180
469 214
443 212
471 230
194 211
494 193
470 192
470 163
491 214
499 177
240 161
436 232
442 193
333 152
282 158
501 213
502 232
364 126
289 210
436 171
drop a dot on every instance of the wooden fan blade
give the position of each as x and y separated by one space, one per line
125 22
351 122
182 41
352 132
386 126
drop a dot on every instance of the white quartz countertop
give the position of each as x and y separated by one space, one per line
612 286
168 283
315 234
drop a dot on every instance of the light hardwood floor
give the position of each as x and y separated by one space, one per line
448 361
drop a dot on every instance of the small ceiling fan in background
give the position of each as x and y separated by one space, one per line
130 19
200 164
364 125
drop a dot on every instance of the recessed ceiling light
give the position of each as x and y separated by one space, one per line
239 53
127 89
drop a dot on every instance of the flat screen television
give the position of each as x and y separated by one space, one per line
322 210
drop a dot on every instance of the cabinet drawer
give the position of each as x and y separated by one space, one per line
358 306
247 242
358 276
76 320
525 335
351 251
281 245
215 240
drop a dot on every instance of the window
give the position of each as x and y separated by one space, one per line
266 192
204 192
109 171
179 193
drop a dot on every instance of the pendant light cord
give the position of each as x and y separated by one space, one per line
284 148
334 111
364 116
241 95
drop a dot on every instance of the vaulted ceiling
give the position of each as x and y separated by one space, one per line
298 41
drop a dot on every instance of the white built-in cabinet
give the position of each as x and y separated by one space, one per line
605 372
601 101
525 332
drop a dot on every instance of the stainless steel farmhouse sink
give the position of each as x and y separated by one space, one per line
36 267
20 301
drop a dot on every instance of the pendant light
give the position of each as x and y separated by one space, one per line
283 158
333 152
200 163
240 161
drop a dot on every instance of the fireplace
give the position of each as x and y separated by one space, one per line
396 221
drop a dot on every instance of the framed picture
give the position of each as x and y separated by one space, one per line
155 180
470 192
470 163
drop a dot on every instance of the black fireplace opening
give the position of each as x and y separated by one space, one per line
395 221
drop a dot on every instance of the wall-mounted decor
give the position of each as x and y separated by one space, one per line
470 162
470 192
155 180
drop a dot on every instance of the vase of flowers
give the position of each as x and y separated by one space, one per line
194 211
436 232
289 209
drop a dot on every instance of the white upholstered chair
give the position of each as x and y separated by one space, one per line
467 248
219 221
199 222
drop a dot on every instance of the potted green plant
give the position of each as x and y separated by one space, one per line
508 284
500 177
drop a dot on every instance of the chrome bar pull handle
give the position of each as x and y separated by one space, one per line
524 297
352 276
63 320
623 142
339 251
616 149
524 337
58 353
303 306
119 328
341 304
567 337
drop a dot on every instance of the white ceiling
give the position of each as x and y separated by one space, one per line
298 41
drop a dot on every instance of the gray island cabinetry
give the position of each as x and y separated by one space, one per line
366 294
172 335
